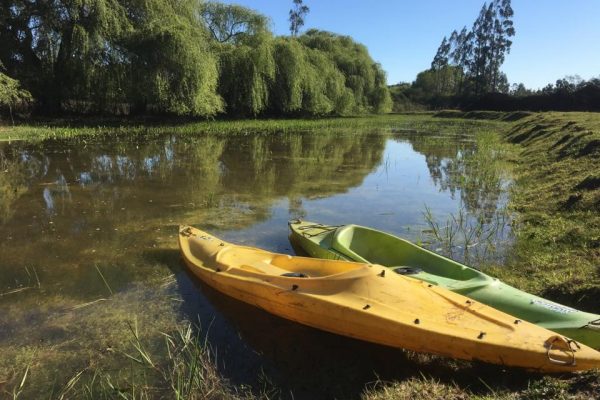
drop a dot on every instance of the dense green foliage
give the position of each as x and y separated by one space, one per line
11 93
567 94
318 73
111 55
364 78
182 57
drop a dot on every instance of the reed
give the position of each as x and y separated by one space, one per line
185 368
469 238
91 130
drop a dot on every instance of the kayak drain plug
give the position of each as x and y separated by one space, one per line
366 307
382 274
417 321
481 335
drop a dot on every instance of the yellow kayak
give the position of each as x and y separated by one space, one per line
370 302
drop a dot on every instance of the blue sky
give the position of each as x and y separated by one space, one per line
554 37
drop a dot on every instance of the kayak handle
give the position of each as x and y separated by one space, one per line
566 343
594 324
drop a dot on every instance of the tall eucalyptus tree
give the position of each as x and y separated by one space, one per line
297 14
481 51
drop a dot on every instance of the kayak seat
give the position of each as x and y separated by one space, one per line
364 244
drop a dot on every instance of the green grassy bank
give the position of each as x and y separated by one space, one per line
557 251
557 197
65 129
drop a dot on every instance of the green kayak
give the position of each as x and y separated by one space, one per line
361 244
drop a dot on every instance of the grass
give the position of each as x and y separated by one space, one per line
557 199
188 371
68 129
471 239
422 388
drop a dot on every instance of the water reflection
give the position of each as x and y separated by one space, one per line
477 173
12 183
95 225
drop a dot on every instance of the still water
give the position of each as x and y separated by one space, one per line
88 241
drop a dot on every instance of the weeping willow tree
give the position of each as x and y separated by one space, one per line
94 55
364 77
245 47
66 49
176 71
307 82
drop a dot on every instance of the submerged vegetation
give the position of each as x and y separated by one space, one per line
479 233
110 128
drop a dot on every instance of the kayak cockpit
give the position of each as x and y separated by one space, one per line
259 262
373 246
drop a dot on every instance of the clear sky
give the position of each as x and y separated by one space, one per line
554 37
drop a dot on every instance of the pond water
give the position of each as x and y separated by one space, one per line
88 232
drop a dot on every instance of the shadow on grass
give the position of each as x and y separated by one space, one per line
583 298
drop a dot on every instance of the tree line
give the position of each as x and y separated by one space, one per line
466 73
181 57
568 94
467 62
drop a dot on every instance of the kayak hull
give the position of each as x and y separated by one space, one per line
320 241
358 300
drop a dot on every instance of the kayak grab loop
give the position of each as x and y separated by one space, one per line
408 270
481 335
187 231
564 345
594 324
295 275
382 273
